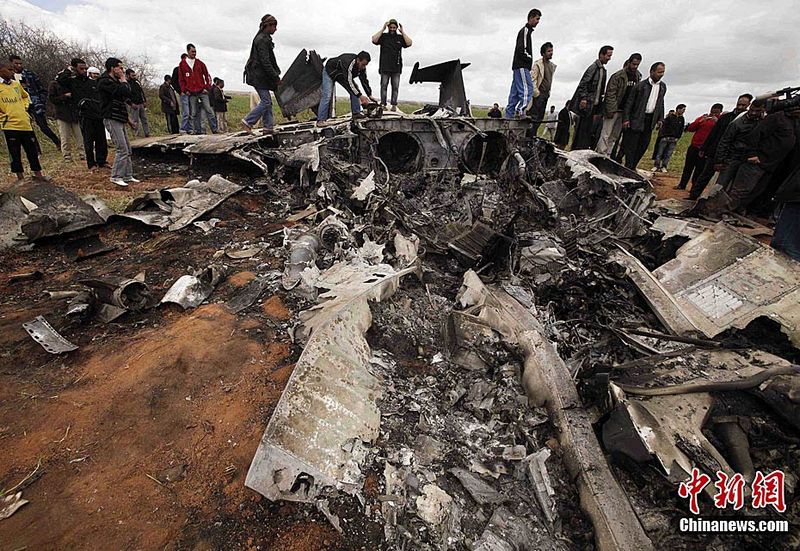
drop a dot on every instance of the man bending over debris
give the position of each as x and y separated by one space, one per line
263 74
114 92
16 123
522 82
644 111
390 64
343 69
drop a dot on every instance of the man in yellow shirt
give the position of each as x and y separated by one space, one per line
15 123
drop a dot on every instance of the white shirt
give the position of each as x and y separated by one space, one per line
652 101
190 63
552 120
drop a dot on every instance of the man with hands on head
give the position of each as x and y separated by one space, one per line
390 64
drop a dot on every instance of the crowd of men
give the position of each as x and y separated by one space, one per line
747 152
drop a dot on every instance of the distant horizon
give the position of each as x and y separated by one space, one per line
700 43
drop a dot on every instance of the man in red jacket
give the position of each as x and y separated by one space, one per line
695 162
196 82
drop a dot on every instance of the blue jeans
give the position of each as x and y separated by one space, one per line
185 127
324 111
521 93
263 110
199 104
787 231
666 147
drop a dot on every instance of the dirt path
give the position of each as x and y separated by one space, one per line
144 435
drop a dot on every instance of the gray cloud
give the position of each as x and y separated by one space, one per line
713 50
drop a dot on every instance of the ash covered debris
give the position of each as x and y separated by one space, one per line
479 315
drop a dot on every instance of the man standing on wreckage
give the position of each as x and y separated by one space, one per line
344 69
522 82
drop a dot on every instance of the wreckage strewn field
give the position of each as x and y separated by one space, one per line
453 354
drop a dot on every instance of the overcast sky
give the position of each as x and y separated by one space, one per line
713 50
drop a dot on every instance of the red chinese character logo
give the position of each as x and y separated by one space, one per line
729 490
692 487
768 490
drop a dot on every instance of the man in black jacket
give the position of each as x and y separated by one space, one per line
709 148
69 129
521 92
86 97
562 129
766 146
169 104
344 69
137 104
734 148
587 101
262 73
643 113
787 227
114 93
671 132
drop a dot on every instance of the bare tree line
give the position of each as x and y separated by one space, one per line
46 53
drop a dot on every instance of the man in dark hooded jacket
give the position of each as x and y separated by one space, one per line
262 73
115 92
86 96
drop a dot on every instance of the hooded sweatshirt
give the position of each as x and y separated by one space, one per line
113 95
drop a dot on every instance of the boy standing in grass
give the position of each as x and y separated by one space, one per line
16 123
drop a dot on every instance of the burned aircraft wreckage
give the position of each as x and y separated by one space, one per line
495 331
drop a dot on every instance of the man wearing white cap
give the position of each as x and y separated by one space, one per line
93 72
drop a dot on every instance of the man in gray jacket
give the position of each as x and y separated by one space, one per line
618 93
263 74
644 111
587 101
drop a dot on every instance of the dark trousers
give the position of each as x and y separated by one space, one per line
17 140
172 123
701 182
787 230
692 167
41 122
636 142
537 111
749 182
655 147
583 131
94 142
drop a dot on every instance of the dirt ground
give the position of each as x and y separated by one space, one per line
142 438
144 435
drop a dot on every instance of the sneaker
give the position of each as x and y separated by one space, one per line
663 169
393 108
132 180
247 127
119 181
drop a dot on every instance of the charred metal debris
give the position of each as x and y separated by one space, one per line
501 345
